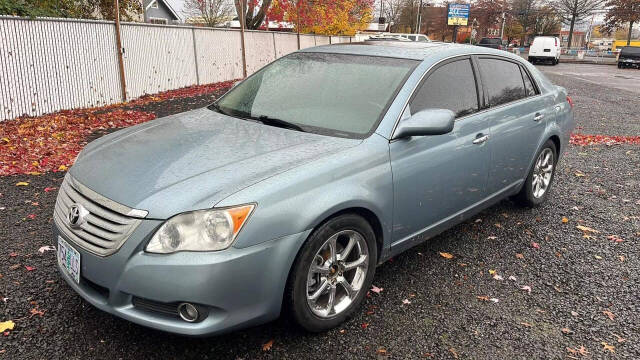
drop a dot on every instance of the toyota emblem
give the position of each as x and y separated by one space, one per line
76 216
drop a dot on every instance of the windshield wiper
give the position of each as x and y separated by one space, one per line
217 108
277 122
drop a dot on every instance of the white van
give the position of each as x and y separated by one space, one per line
545 48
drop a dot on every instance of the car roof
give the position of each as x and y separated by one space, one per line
407 50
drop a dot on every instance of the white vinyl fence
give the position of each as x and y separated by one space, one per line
55 64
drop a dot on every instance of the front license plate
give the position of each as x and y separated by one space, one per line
69 259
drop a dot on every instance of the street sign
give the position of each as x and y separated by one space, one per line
458 14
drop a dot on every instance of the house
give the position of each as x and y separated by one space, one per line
159 12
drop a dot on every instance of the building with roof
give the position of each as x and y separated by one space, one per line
159 12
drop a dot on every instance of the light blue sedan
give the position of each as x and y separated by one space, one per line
290 189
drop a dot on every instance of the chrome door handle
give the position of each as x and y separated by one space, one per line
481 139
538 117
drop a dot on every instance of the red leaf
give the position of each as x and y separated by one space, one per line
29 268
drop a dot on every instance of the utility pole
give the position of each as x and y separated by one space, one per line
123 84
502 25
242 23
419 18
298 21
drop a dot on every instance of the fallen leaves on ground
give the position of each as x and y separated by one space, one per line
565 220
609 314
586 229
526 288
22 183
29 268
446 255
267 346
46 248
51 142
7 325
578 351
376 289
584 140
607 347
35 311
615 238
535 245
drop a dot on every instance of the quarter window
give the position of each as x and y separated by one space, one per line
503 81
451 86
530 90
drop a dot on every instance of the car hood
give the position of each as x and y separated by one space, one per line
193 160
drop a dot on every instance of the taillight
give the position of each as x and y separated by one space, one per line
570 101
499 47
555 41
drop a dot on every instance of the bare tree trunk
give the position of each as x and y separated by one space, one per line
573 21
629 35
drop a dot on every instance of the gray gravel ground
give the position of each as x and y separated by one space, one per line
584 290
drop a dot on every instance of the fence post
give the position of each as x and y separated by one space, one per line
123 83
275 49
244 54
195 55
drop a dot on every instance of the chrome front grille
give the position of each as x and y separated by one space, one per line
107 224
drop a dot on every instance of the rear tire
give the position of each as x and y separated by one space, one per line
325 285
537 186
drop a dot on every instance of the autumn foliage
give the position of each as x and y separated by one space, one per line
584 140
32 145
326 17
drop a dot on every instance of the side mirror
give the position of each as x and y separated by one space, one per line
426 122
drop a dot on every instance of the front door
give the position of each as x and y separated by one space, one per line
435 178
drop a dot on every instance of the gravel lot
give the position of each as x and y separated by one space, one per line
583 300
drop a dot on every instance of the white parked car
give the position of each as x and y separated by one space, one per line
410 37
545 48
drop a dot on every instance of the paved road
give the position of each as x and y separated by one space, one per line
604 75
583 300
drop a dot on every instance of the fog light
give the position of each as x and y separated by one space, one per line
188 312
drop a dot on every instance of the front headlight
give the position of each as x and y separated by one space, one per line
202 230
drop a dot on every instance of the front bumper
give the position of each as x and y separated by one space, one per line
236 287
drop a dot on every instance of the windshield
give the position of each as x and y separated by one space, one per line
332 94
630 50
489 41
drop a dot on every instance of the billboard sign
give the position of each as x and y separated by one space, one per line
458 14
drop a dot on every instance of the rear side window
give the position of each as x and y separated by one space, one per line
503 81
451 86
530 90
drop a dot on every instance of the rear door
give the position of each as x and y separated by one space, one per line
517 115
436 177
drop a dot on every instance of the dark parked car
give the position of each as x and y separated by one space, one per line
629 57
493 43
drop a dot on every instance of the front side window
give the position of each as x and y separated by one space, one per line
502 80
451 86
333 94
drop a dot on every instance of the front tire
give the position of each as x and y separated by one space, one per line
332 273
538 183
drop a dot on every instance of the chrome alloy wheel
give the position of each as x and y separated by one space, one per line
337 273
542 172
